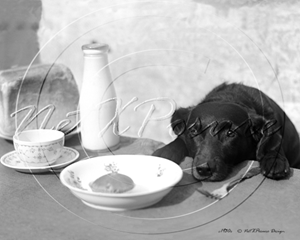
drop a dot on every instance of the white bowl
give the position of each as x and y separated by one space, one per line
39 147
154 177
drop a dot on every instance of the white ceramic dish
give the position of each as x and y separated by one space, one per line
154 177
11 160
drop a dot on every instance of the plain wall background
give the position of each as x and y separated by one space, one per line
19 22
173 49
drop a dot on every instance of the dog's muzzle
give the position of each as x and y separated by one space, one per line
204 170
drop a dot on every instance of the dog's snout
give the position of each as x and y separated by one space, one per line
206 169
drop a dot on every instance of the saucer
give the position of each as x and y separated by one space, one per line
11 160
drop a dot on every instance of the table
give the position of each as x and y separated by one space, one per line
38 206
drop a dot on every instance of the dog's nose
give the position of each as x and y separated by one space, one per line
204 170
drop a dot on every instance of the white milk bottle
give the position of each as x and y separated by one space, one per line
97 101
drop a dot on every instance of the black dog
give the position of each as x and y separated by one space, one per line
234 123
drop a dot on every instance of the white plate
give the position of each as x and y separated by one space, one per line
153 177
11 160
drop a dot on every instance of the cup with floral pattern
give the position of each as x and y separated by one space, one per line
39 147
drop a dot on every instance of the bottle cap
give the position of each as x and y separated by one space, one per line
95 49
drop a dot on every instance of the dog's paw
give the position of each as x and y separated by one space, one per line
275 167
163 152
174 151
168 153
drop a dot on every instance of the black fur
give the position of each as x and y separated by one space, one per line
232 124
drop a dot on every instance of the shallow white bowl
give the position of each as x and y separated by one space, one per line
154 177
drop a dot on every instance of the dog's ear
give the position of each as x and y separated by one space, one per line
267 133
178 121
256 125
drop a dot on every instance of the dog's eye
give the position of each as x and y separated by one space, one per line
230 133
193 132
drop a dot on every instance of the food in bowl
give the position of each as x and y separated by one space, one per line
112 183
153 178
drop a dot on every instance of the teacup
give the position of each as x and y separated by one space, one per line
39 147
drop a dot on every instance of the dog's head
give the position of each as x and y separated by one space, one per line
218 136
